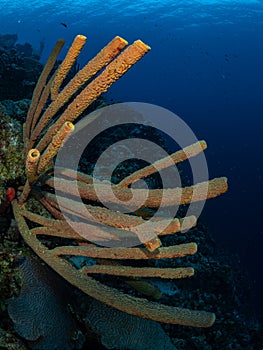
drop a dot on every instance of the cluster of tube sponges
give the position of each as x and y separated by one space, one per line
44 136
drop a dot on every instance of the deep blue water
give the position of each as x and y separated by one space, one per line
205 65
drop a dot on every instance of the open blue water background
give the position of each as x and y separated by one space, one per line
206 65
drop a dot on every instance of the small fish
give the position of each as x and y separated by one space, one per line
64 24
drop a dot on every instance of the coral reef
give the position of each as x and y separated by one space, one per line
49 236
19 68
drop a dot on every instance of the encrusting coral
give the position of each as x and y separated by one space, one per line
46 129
